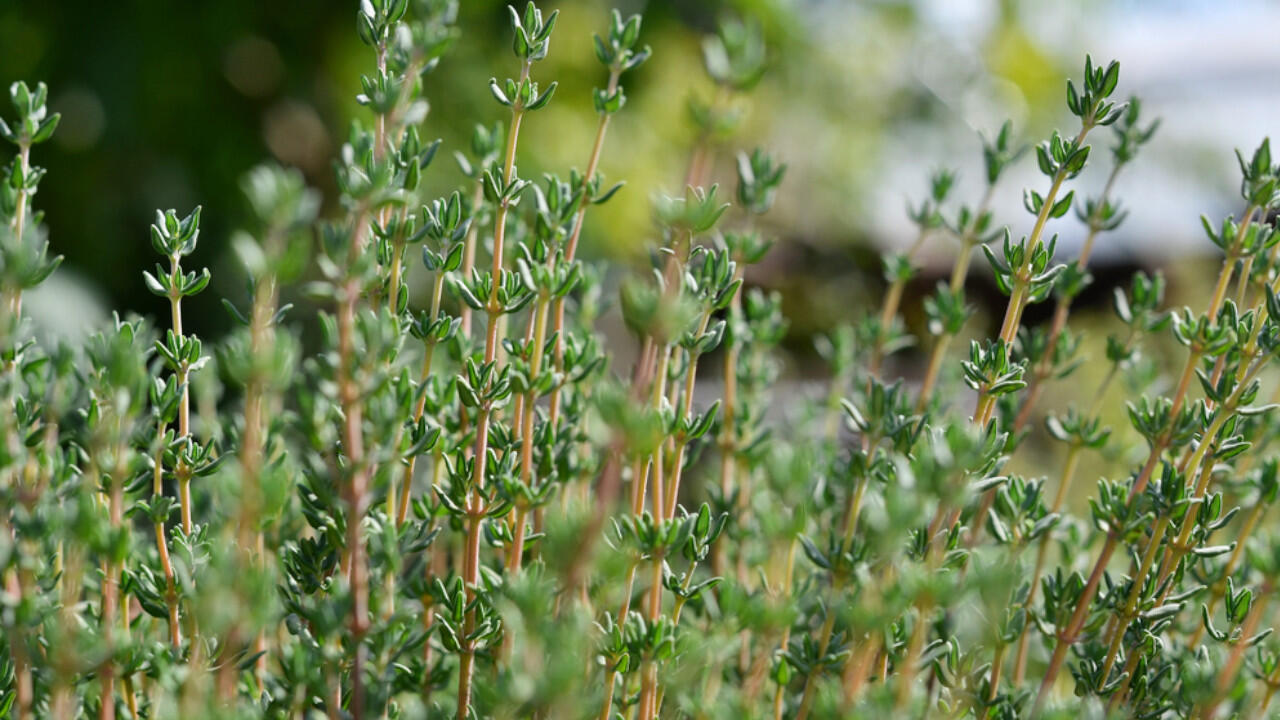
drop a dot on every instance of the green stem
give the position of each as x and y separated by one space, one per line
1131 602
476 509
1018 298
162 544
525 420
420 406
810 682
1042 552
18 223
959 271
889 309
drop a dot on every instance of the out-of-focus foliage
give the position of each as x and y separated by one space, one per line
168 105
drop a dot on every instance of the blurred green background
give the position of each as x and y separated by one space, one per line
167 104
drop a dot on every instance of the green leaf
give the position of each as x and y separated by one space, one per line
1061 207
46 129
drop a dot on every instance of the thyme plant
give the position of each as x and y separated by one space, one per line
460 503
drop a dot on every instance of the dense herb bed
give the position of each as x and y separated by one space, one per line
467 507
